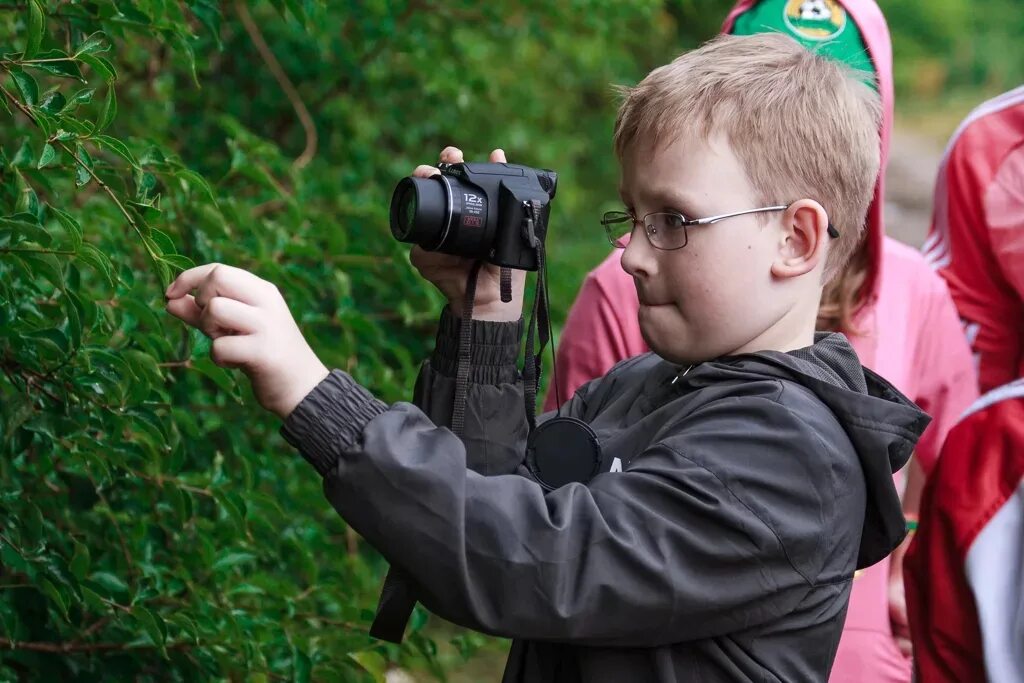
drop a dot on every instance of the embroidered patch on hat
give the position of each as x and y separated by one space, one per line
815 19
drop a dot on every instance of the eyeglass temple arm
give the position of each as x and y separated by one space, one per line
833 232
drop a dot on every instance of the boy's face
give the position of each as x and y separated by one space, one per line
716 296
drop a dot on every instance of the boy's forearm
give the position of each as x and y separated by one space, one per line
332 416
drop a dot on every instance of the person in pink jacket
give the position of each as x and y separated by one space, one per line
896 311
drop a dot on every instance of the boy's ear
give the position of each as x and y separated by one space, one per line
803 239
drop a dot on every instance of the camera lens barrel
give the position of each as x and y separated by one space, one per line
419 207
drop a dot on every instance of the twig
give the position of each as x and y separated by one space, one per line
27 250
187 363
286 85
100 623
77 646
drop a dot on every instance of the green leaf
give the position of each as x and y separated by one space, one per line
56 340
79 565
109 110
98 260
186 625
56 596
232 559
297 10
97 42
24 157
26 86
28 200
194 180
73 311
48 156
53 102
100 65
117 147
36 21
23 226
162 240
232 509
154 626
373 662
46 265
70 225
109 586
302 666
83 165
210 16
183 46
178 261
83 96
199 343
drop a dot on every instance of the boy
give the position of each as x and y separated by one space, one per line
894 309
758 458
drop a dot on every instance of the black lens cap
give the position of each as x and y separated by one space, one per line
561 451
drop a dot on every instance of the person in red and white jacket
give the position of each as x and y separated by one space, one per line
965 568
977 237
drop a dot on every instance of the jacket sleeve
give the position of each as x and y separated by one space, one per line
967 253
664 552
948 381
595 337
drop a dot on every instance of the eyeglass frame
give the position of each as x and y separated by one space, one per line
686 223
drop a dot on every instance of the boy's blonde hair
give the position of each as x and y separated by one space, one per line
802 125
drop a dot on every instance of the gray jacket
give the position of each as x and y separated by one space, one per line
725 551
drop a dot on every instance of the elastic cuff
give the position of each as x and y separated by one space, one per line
494 350
330 420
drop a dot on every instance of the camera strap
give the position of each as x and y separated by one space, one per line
398 596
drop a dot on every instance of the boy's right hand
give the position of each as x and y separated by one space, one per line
449 273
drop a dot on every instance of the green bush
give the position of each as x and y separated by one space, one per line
153 526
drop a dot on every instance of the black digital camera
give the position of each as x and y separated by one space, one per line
477 210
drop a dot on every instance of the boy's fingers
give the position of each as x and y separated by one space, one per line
233 351
216 279
498 157
233 283
222 313
452 155
185 309
188 280
424 171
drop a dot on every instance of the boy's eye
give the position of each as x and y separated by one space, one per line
673 220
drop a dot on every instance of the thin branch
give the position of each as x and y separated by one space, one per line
27 250
286 85
77 646
100 623
187 363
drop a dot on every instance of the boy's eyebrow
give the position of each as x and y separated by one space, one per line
670 197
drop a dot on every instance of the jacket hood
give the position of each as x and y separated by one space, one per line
871 22
882 424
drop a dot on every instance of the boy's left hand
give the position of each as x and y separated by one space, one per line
252 329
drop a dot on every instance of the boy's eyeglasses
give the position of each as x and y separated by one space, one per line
667 230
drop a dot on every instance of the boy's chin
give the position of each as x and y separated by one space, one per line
676 348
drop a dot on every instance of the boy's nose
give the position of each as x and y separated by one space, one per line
638 258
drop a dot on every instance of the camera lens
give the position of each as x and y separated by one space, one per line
420 211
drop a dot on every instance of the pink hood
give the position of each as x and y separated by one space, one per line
869 19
